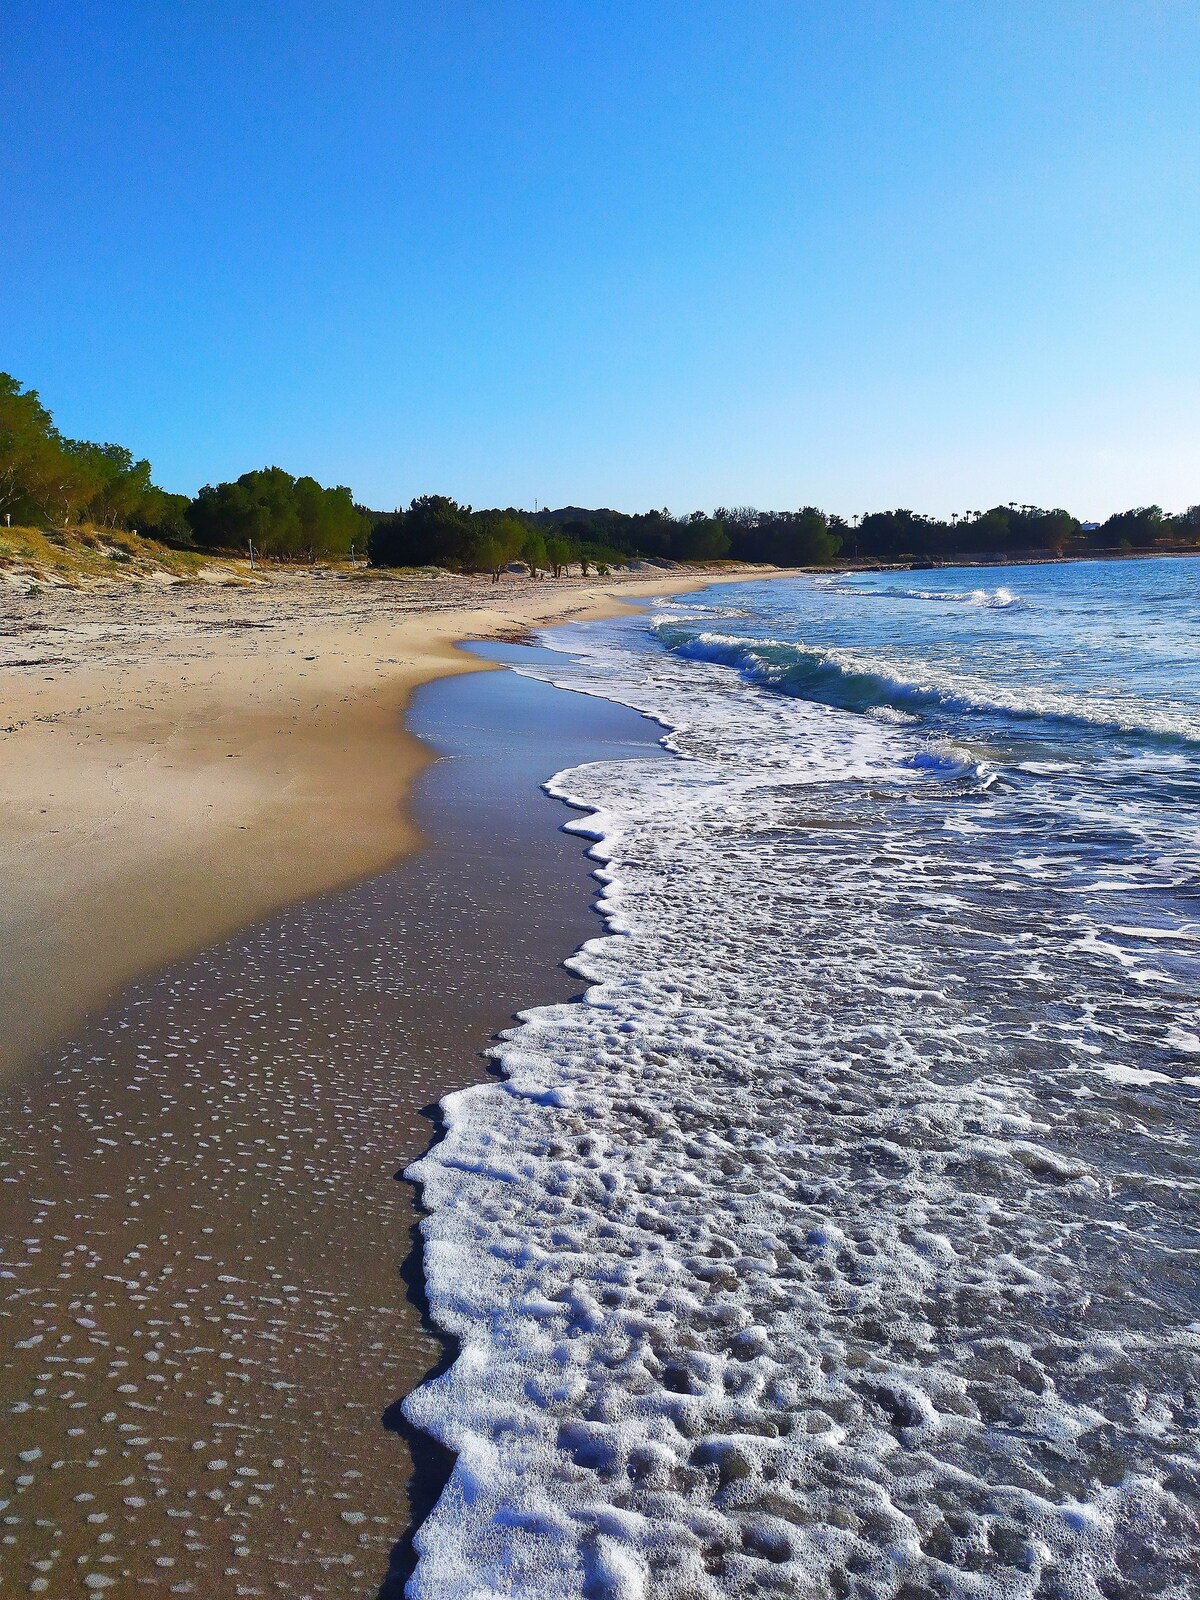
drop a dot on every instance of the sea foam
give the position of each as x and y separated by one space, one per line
819 1251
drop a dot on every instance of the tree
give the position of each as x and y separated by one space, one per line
43 475
122 484
889 534
29 448
493 541
387 542
700 538
558 554
219 516
329 520
795 538
75 476
285 517
819 542
163 516
533 550
1138 528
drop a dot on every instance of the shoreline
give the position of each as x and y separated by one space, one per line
210 1318
179 764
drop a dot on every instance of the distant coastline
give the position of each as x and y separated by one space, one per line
53 485
1031 558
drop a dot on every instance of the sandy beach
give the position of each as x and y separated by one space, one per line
178 762
210 1288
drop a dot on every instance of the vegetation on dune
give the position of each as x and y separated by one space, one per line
436 530
49 482
1015 530
82 554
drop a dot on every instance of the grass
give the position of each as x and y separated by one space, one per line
80 556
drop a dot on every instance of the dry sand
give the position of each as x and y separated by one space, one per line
178 762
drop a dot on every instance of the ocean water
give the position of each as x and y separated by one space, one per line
842 1241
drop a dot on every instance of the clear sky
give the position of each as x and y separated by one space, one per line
932 253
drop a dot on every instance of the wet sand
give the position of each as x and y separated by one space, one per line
207 1317
177 763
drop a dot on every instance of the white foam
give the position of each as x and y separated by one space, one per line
786 1263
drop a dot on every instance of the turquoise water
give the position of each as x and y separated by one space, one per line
845 1240
1111 646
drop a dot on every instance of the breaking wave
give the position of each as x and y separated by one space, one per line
999 599
853 681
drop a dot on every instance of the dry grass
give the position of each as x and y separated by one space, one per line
84 557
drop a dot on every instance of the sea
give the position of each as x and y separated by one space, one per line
841 1240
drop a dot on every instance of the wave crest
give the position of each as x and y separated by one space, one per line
843 679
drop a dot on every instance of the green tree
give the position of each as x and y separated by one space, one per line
801 538
437 528
533 550
1186 525
1138 528
219 516
163 516
493 541
700 538
559 552
387 543
330 523
274 514
76 475
121 484
43 475
285 517
29 450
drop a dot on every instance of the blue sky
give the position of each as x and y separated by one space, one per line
928 254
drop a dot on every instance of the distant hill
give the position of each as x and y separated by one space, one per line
548 519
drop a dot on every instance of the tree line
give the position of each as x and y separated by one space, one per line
438 531
288 518
1013 530
48 478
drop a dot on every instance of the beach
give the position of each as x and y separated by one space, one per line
180 761
600 803
822 1212
212 1298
